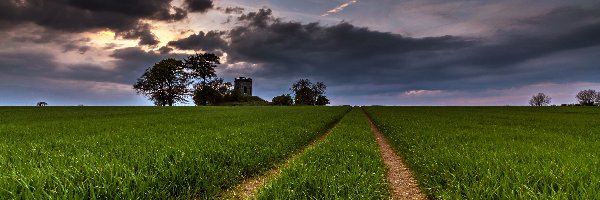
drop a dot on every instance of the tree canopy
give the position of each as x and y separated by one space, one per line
202 67
307 93
283 100
540 99
587 97
165 83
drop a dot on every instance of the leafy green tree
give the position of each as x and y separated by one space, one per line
283 100
212 93
307 93
165 83
202 66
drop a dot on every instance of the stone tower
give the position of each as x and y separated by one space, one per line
243 86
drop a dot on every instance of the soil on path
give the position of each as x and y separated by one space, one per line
403 184
248 188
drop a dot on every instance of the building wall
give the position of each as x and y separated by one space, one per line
243 85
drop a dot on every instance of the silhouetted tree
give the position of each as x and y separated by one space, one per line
540 99
41 103
283 100
202 66
307 93
587 97
212 92
165 83
322 100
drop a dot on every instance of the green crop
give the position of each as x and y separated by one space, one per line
498 152
147 152
345 165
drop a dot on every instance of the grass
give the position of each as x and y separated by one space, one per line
345 165
147 152
498 152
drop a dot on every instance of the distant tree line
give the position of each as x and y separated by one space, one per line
305 93
584 98
171 81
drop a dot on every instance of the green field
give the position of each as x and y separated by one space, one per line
346 165
147 152
200 152
498 152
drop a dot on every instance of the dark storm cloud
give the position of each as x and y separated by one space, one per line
341 52
344 53
142 31
261 19
66 41
198 5
165 50
209 41
231 10
147 9
121 16
129 64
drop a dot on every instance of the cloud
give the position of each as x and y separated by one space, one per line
419 93
210 41
557 47
339 8
232 10
198 5
141 32
127 18
344 54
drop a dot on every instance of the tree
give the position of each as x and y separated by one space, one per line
213 92
540 99
307 93
598 98
202 66
41 103
322 100
303 93
283 100
587 97
165 83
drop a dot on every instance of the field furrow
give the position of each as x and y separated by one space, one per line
148 152
402 183
498 152
346 165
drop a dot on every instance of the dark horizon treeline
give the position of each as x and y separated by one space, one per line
170 81
587 97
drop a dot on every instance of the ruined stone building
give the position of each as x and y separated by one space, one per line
243 86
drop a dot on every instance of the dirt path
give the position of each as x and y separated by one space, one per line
401 181
249 187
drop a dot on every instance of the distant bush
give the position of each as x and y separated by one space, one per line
283 100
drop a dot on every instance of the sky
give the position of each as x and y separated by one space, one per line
368 52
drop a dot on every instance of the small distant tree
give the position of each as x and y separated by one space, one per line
540 99
165 83
202 66
41 103
283 100
307 93
587 97
598 98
